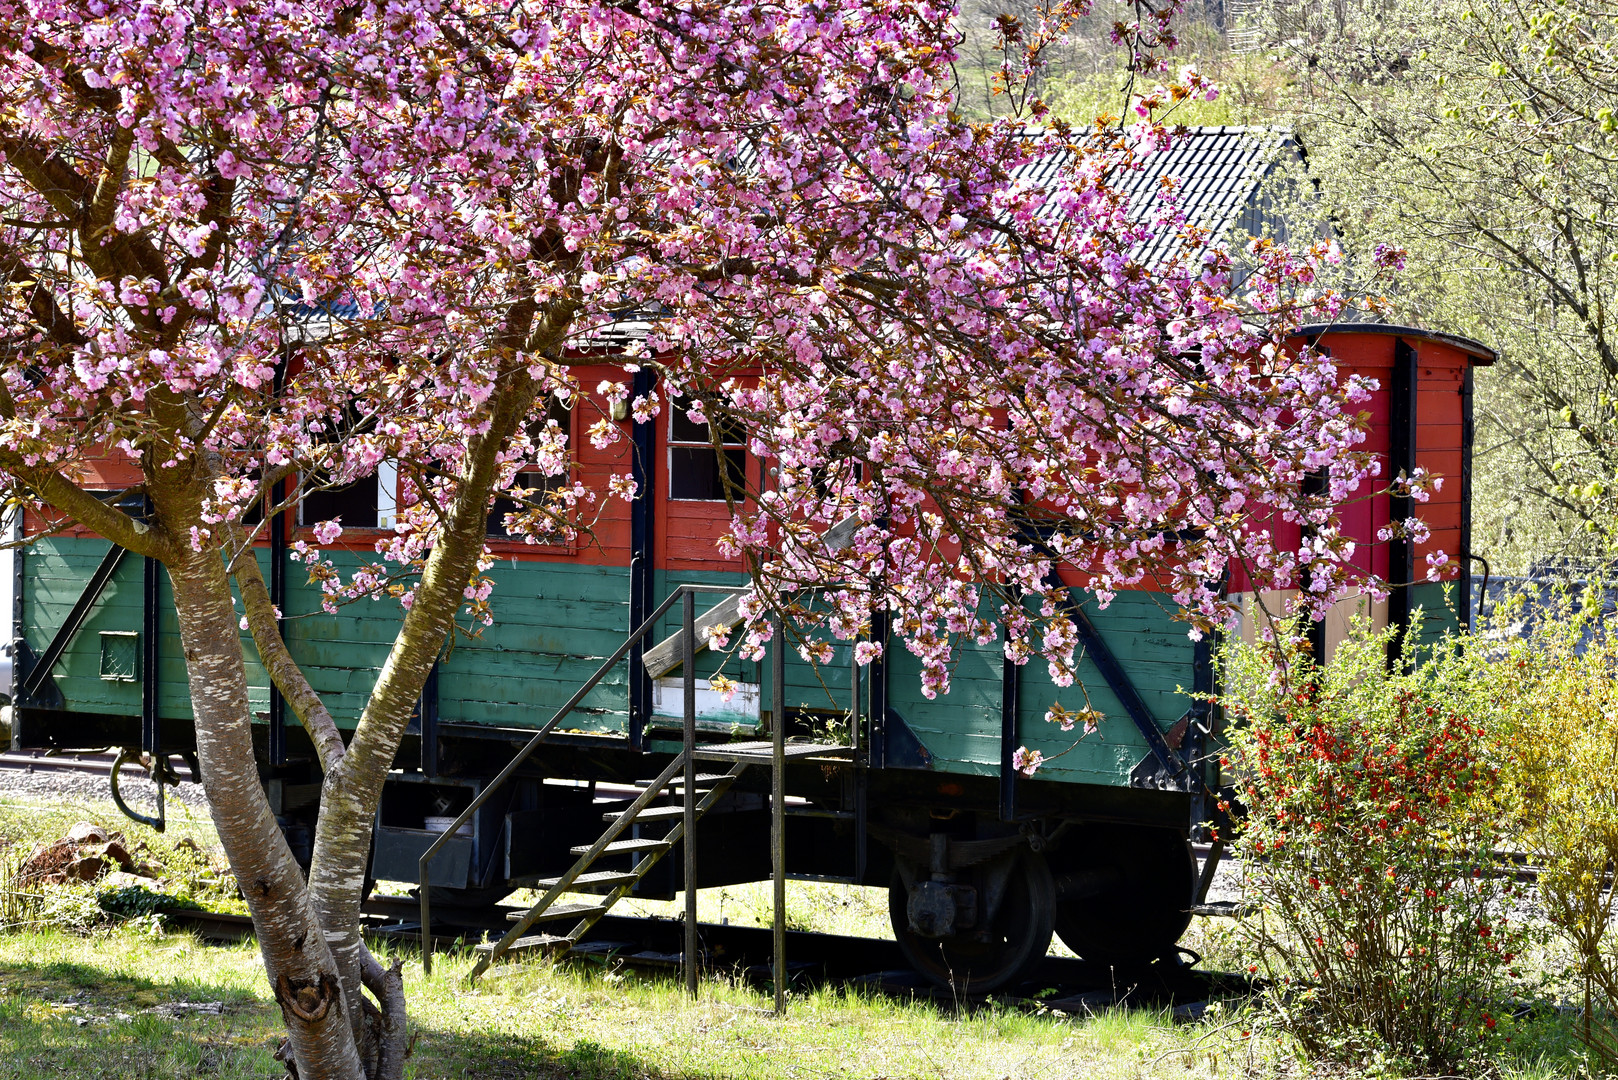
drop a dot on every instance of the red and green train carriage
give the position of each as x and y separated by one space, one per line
919 796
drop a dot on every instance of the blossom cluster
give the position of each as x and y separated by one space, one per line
322 239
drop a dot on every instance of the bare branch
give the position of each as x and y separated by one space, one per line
283 669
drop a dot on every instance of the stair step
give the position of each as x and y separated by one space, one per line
817 812
561 911
532 941
618 847
602 948
584 882
762 752
650 815
1223 909
652 958
679 781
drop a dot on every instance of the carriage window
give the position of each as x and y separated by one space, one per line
253 516
370 502
357 504
557 412
696 469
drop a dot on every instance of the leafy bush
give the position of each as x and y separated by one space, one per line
1554 693
1372 819
138 901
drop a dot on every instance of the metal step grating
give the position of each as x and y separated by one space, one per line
620 847
543 942
562 911
600 879
651 815
763 751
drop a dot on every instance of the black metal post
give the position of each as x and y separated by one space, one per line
877 710
15 640
151 738
642 523
778 806
688 839
1401 460
858 746
1314 485
1468 433
427 709
1010 704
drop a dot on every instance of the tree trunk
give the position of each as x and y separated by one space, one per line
297 960
309 932
353 788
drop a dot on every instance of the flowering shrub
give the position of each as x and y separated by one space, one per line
1554 693
1372 818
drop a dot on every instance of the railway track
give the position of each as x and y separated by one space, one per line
1512 863
39 761
654 945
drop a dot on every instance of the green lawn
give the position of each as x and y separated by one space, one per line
111 1001
102 1005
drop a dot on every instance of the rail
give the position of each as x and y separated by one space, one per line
424 872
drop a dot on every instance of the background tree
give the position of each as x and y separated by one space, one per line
1478 135
249 246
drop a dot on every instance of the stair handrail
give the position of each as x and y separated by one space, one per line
572 874
423 871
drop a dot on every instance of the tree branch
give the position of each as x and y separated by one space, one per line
283 669
41 304
99 517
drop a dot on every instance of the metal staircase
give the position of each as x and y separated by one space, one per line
580 878
699 793
705 792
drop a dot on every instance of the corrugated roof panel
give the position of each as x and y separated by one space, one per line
1217 170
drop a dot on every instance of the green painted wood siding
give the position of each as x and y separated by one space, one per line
962 729
1439 612
54 573
554 624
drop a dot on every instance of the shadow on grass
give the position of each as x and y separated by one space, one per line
64 1018
504 1057
74 1019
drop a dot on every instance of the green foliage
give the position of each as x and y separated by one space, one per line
1372 820
1555 698
138 901
188 875
1477 137
1248 85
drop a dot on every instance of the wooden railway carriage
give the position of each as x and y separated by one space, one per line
926 800
919 797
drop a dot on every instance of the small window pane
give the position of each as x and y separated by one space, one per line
694 472
539 483
354 503
683 430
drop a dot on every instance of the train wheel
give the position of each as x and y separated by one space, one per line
987 958
1123 892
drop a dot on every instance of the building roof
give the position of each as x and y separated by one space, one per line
1220 171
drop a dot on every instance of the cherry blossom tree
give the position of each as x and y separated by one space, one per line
255 248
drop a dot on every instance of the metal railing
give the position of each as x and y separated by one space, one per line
688 591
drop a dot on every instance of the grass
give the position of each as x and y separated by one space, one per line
89 1006
101 1004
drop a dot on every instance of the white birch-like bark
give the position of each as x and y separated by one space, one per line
301 968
